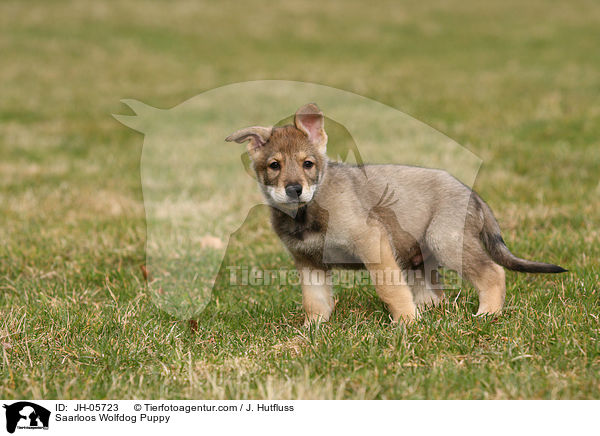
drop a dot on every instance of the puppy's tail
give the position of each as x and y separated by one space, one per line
499 252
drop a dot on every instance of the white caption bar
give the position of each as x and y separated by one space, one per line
149 417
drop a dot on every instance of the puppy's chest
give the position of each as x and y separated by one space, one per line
304 233
307 240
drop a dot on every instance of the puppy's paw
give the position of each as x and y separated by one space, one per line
314 321
406 318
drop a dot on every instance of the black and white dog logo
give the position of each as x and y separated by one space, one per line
26 415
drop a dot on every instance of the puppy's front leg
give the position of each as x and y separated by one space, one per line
377 254
317 294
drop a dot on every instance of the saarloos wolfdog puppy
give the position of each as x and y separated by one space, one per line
391 218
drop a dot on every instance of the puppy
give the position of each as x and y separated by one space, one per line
389 219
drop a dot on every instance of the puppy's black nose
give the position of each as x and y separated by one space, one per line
293 190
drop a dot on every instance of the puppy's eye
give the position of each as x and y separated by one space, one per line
274 165
308 164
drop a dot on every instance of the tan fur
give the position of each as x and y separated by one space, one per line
397 296
490 282
317 294
385 218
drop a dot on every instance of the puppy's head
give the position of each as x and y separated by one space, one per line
289 161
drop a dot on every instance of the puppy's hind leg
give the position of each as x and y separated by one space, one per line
485 275
377 254
425 286
490 282
467 256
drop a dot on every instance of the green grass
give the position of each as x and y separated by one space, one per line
516 83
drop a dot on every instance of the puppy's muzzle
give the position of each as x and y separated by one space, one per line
293 191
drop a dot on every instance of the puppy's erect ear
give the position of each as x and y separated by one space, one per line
310 120
257 135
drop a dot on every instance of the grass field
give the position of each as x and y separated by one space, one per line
517 83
